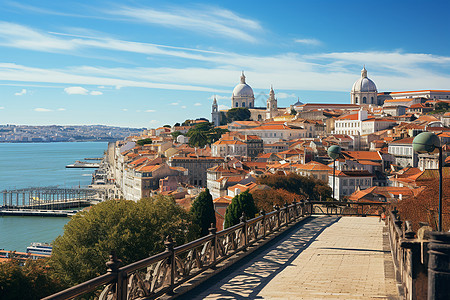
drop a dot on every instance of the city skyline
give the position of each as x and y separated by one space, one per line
142 64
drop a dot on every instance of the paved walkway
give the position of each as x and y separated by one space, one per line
325 258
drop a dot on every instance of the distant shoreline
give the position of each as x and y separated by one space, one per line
48 142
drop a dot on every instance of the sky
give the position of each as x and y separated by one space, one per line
151 63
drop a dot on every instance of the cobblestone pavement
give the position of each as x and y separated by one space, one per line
321 259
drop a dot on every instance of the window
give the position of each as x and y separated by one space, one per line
250 105
243 104
371 99
237 104
364 99
356 100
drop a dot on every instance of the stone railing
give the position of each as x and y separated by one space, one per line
162 273
421 260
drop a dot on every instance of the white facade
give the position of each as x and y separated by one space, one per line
346 185
350 124
364 90
374 125
223 148
242 95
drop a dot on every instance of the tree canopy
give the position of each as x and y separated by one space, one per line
34 280
203 134
203 213
308 187
242 203
238 114
135 230
144 141
266 199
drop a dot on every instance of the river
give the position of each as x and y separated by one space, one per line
40 165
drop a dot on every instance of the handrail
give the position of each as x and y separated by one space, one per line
161 273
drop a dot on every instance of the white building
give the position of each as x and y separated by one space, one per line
346 182
223 148
350 124
364 90
403 152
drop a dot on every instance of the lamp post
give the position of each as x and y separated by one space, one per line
334 152
428 142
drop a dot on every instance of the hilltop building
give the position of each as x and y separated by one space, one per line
244 97
364 90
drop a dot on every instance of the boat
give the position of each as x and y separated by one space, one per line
40 248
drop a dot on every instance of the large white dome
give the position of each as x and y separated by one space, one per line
242 89
364 84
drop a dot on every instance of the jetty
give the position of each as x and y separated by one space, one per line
45 202
84 165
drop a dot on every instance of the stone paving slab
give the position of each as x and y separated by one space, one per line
323 259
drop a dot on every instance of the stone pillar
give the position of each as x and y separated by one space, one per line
439 266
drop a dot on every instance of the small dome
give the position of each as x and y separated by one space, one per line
364 84
243 89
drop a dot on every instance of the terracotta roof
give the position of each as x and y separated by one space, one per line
223 200
421 91
312 166
227 142
407 140
362 155
351 173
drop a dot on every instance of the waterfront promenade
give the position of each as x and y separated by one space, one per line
324 258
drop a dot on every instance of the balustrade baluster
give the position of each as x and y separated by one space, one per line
243 219
263 214
169 248
213 231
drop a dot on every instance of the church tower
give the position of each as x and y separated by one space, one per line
215 114
272 109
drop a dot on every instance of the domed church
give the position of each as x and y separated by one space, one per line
243 96
364 90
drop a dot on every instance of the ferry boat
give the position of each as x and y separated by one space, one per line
40 248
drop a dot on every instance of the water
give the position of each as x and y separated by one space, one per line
40 164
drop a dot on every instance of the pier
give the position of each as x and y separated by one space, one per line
40 199
84 165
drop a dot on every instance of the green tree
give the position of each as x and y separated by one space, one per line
293 112
135 230
240 203
309 187
238 114
203 134
167 126
34 280
203 212
176 124
144 141
175 134
223 118
197 138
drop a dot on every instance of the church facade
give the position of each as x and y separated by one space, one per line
244 97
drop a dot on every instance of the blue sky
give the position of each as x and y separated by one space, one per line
150 63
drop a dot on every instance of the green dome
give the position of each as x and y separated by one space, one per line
426 142
334 151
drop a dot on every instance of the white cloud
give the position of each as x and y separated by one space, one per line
61 109
223 107
154 122
174 103
21 93
40 109
183 106
198 104
312 42
76 90
2 107
150 110
284 95
124 109
219 97
204 20
96 93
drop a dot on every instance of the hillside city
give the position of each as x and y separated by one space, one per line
375 132
56 133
